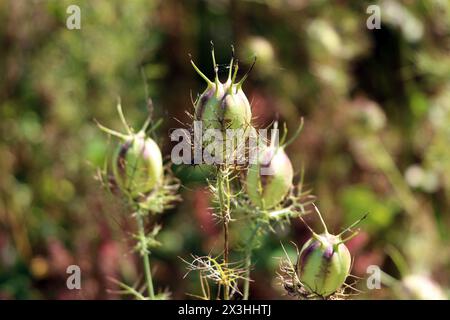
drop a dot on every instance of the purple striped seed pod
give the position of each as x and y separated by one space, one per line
269 180
323 264
223 105
138 166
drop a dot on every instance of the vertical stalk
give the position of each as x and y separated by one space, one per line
225 239
248 260
224 210
227 214
145 256
225 258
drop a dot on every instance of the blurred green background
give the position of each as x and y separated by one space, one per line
376 105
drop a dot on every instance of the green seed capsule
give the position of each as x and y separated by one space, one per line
138 165
270 179
223 105
324 264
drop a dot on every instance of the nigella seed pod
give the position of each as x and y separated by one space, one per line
324 264
223 105
324 261
138 165
269 180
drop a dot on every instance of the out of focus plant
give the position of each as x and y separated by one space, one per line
138 174
420 237
413 285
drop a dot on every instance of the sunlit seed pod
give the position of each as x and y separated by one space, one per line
324 264
222 108
269 180
237 110
223 105
138 165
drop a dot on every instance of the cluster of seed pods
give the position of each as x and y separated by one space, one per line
324 261
225 106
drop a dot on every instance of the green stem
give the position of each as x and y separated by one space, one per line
248 260
145 256
224 212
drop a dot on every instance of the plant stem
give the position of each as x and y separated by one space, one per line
225 239
224 210
145 256
225 256
248 260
